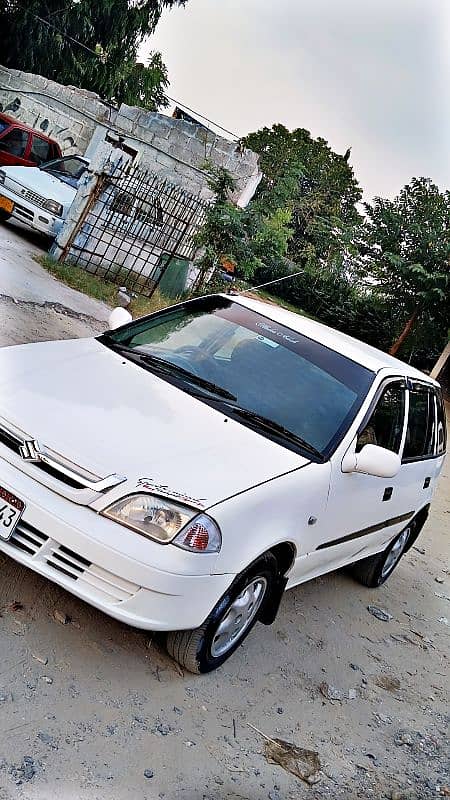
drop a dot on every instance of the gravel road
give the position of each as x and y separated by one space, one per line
93 709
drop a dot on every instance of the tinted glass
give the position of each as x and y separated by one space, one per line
14 142
385 426
271 370
3 125
441 427
69 169
420 431
40 150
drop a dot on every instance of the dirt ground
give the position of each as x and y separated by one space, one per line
93 709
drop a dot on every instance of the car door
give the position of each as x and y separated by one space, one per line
365 512
14 147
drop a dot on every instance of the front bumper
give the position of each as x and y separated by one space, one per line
78 549
36 217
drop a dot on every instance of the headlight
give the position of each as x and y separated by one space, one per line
2 176
53 207
166 521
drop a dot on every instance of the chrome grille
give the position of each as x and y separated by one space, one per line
33 197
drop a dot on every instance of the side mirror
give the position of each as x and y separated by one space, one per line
372 460
118 317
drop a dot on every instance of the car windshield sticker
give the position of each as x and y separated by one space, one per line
160 488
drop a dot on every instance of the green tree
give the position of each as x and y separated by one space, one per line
245 237
316 184
88 43
406 255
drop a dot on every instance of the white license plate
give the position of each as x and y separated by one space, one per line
11 510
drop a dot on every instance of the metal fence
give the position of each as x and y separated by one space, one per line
134 227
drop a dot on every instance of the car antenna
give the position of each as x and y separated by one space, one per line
269 283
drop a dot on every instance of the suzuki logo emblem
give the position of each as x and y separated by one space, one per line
30 450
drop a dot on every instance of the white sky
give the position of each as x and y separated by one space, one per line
373 74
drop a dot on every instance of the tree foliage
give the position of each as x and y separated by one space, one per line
406 250
47 37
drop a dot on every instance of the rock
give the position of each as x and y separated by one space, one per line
63 619
403 794
352 694
330 692
42 659
148 773
280 710
380 613
388 682
438 579
47 739
46 679
178 710
404 738
304 764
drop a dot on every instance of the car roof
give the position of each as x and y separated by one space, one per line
352 348
28 128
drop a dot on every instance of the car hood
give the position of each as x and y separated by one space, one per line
108 415
43 183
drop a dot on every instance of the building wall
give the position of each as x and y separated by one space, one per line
172 148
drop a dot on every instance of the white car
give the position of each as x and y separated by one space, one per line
41 196
181 471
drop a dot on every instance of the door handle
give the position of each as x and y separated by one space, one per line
388 493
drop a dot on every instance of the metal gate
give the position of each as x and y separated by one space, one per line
134 227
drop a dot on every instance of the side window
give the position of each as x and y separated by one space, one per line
40 150
14 142
421 424
385 426
441 428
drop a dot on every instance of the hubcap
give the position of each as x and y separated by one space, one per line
238 617
395 553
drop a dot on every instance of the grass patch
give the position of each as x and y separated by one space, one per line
99 288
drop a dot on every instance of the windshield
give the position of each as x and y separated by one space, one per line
290 388
69 169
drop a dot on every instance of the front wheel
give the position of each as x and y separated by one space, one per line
4 216
375 570
231 620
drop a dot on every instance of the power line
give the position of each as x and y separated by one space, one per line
98 55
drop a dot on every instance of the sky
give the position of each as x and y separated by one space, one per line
370 74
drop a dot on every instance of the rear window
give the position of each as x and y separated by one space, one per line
14 142
3 125
272 371
419 441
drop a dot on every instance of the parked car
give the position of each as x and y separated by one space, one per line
41 196
22 146
179 472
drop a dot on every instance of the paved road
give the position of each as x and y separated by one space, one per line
24 280
87 707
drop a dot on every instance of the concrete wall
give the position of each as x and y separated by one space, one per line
174 149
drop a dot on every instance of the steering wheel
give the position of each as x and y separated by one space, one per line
197 361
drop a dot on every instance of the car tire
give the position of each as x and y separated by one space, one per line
375 570
205 648
4 216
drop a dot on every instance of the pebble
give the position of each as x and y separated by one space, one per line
47 739
46 679
148 773
63 619
42 659
380 613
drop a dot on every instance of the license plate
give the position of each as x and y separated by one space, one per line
6 204
11 510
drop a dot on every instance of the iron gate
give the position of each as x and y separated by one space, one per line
134 226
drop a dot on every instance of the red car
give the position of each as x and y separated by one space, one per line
22 146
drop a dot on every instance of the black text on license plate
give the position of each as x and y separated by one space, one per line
11 510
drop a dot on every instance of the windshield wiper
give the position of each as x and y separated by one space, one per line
269 425
168 368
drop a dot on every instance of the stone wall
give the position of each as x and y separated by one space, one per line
172 148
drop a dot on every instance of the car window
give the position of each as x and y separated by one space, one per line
272 371
40 150
441 438
15 142
421 423
385 426
3 125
